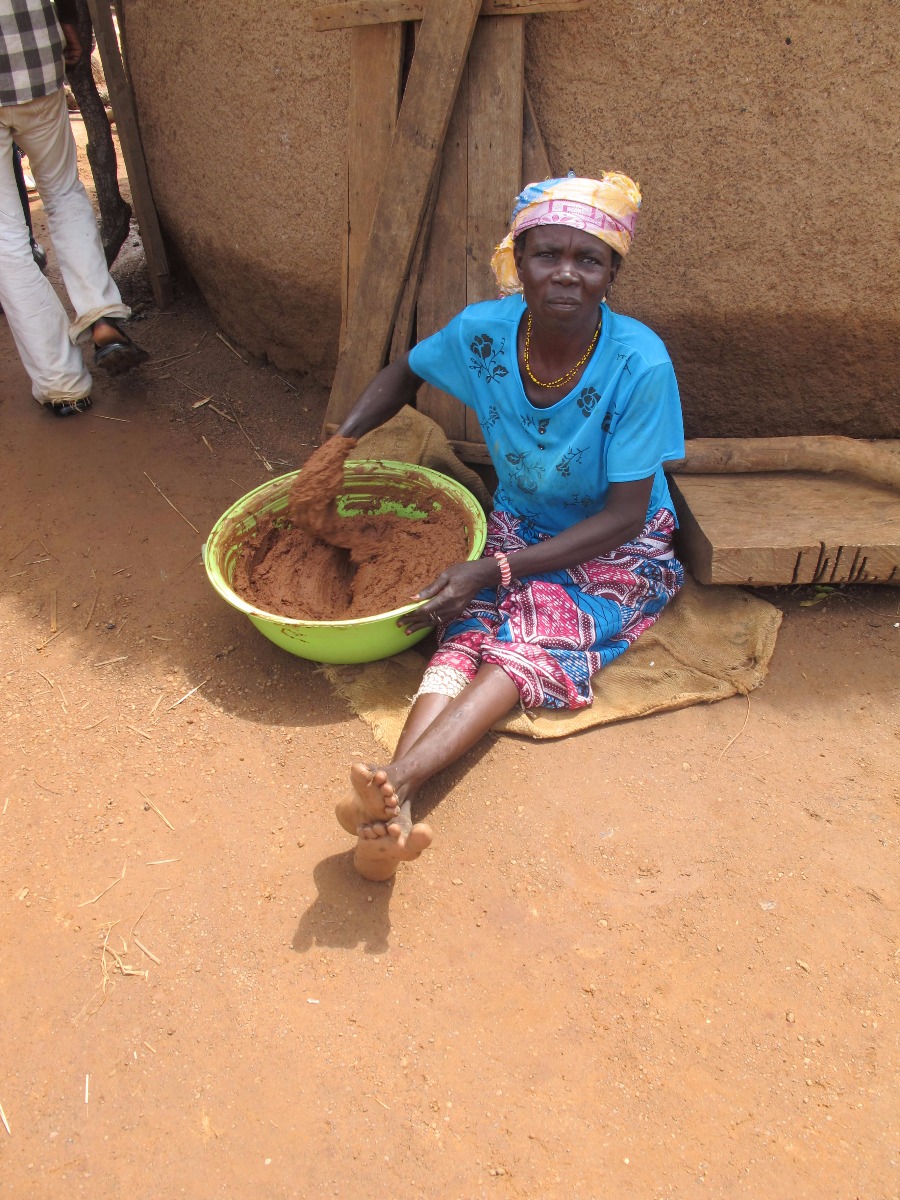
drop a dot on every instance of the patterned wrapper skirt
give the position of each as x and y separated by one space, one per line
550 633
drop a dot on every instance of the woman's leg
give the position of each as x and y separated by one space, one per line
408 840
424 711
438 732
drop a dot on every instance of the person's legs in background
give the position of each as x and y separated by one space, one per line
41 128
36 317
76 240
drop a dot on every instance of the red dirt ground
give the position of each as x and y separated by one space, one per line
654 960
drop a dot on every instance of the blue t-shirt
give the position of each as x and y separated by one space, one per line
555 465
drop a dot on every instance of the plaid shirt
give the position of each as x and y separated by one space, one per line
31 50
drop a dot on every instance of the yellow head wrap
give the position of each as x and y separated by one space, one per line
606 207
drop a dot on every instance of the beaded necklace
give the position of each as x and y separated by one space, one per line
570 374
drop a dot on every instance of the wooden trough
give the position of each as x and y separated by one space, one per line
772 529
788 510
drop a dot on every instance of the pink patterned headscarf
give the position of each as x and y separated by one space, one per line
606 207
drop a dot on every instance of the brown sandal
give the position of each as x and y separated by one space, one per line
119 356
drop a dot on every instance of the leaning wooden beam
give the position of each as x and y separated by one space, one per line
878 461
443 291
437 66
132 151
496 103
535 160
404 323
378 12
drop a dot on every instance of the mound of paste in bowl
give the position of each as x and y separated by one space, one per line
324 567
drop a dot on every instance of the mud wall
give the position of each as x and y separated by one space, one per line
764 138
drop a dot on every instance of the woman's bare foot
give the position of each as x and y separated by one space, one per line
374 794
347 813
383 846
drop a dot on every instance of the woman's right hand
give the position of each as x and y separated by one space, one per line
450 593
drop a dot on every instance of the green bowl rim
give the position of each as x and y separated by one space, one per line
440 480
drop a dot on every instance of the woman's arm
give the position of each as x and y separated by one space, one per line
622 519
391 388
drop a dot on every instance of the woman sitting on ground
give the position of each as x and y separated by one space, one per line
579 409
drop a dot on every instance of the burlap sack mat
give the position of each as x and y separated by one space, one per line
414 438
709 643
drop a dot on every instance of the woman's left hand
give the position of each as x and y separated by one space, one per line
450 593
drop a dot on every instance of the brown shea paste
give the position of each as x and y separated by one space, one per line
331 568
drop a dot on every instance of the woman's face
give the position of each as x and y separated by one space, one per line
565 272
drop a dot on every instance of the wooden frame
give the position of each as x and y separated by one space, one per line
377 12
429 182
437 68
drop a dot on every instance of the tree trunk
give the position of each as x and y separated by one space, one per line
115 214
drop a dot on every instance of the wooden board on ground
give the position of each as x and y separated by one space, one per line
788 528
376 62
437 66
132 151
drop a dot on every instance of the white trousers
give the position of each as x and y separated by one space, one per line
45 339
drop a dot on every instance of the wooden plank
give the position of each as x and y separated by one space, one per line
132 151
524 8
437 67
376 63
473 452
786 528
535 159
443 291
480 176
378 12
496 100
405 323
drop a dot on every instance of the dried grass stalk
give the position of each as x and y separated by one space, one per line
140 945
160 814
85 903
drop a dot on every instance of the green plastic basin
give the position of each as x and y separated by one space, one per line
371 486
